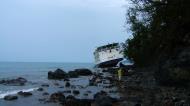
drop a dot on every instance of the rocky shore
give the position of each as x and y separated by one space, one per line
142 89
65 89
138 87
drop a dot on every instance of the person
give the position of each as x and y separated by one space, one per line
119 73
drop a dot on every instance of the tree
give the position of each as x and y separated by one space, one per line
158 28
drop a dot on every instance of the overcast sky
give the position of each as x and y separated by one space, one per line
59 30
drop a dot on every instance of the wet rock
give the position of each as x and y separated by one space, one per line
45 93
56 84
25 94
89 91
103 99
40 89
61 87
85 94
42 99
45 85
76 92
57 97
14 82
79 72
83 72
92 83
67 91
10 97
69 97
73 74
73 87
67 84
57 74
80 86
72 101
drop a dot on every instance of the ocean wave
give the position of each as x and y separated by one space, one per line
3 94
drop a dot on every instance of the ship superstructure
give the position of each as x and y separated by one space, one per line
111 53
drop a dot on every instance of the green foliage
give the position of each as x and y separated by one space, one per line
158 28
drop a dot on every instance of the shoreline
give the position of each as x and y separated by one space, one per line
136 88
86 92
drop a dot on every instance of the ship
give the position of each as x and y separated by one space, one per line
108 55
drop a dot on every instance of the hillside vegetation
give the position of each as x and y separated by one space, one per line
161 38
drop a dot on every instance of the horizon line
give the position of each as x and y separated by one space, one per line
44 62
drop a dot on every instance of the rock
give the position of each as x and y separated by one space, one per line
73 74
68 91
83 72
76 92
25 94
92 83
45 85
10 97
14 82
67 84
85 94
61 87
73 87
57 74
89 91
57 97
45 93
103 99
70 97
79 72
42 99
40 89
56 84
72 101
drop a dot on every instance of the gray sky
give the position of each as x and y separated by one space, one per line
59 30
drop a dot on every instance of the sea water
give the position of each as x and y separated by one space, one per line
34 72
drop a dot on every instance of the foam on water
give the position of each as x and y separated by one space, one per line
3 94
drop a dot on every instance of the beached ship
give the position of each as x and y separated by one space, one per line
108 55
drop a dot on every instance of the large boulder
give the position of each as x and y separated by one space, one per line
57 74
73 74
14 82
83 72
79 72
10 97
